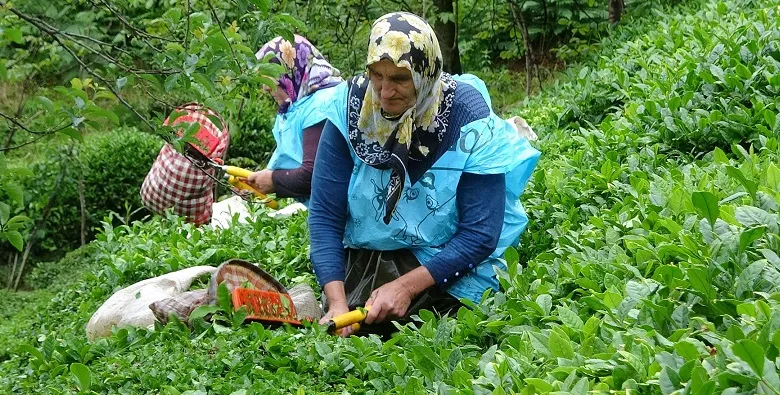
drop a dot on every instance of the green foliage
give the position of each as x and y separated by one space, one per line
251 140
102 65
650 264
111 168
11 226
677 81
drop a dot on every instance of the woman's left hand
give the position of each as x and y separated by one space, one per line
388 301
262 181
393 299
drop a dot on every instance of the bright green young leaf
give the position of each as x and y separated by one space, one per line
687 350
98 112
224 298
770 118
719 156
83 376
15 35
203 311
773 177
540 386
560 345
706 203
581 388
14 191
747 308
570 319
5 212
743 71
749 236
15 238
511 256
750 186
21 171
73 133
700 281
240 315
545 302
750 352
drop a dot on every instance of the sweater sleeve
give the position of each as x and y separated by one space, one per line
328 205
480 201
297 182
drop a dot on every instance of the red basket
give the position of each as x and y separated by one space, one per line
266 306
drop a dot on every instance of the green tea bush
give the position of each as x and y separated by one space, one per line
646 269
111 166
692 83
251 139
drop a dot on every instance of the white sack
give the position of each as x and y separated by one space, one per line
130 306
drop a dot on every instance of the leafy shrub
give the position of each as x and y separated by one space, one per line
646 270
111 166
689 82
251 137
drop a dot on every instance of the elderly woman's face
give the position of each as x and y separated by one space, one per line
393 85
279 95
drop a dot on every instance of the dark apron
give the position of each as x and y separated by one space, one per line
367 270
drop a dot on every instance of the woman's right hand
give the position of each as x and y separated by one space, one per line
337 301
333 311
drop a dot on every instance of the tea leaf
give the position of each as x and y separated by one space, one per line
750 352
706 204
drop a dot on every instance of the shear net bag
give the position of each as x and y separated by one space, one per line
174 181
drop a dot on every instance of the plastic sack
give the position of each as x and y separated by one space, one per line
130 306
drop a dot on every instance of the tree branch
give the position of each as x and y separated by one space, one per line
219 23
18 124
40 136
130 25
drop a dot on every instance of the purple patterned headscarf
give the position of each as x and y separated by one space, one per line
306 69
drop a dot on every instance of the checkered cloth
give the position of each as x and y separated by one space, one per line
174 182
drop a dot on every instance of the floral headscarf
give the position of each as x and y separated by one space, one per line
306 69
408 144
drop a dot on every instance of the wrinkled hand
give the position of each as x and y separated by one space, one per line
261 180
336 310
388 301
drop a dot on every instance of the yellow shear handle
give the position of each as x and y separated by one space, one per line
242 185
347 319
237 171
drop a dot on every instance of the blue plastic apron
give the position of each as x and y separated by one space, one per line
288 129
426 216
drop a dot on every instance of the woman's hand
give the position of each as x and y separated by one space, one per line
262 181
337 304
335 310
393 299
388 301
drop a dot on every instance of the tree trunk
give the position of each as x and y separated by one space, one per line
447 33
13 269
83 205
529 53
40 223
616 10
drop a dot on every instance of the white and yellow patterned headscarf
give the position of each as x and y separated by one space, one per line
407 144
